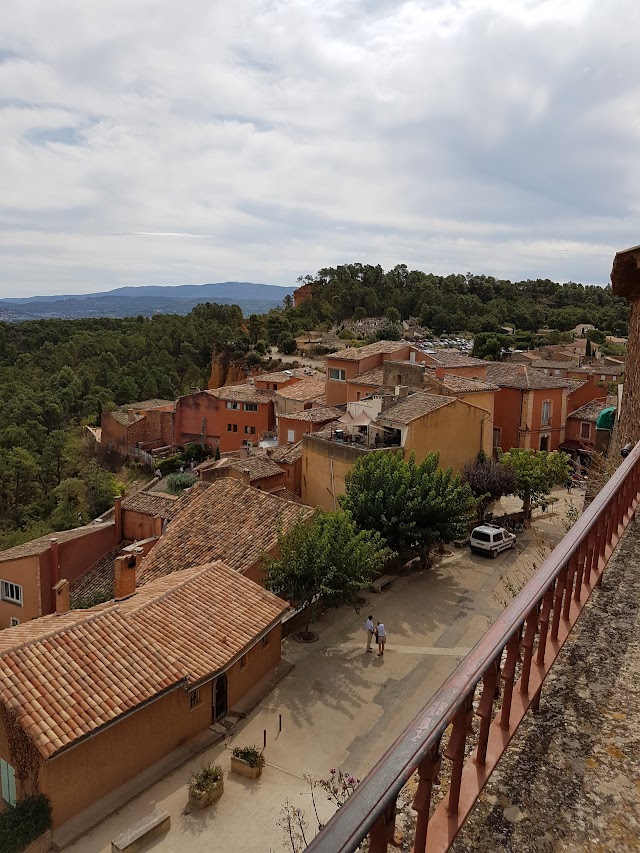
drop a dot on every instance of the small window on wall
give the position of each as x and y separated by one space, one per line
231 405
339 375
194 698
585 430
243 661
11 592
13 622
250 407
291 436
8 780
265 641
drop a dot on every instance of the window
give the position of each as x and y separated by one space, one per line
357 395
265 641
602 377
232 427
8 778
13 622
544 442
291 436
243 661
497 537
557 372
497 437
229 427
546 413
194 698
231 405
339 375
481 536
250 407
249 430
11 592
585 429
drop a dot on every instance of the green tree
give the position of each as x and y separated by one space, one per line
71 504
359 313
325 557
101 488
587 350
388 333
489 480
287 343
596 336
535 472
412 506
392 314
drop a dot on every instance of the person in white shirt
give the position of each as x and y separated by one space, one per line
368 627
381 636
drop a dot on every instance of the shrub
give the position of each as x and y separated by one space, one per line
170 464
251 754
23 824
177 483
205 779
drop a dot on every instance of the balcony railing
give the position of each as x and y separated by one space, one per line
498 681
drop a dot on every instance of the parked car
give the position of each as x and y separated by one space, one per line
491 539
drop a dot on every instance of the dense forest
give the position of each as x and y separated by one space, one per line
475 303
58 375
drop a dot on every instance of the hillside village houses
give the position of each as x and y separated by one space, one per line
156 612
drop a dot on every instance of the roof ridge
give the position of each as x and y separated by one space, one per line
193 572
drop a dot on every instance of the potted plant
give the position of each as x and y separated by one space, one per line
206 786
247 761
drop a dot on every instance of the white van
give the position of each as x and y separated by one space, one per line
491 539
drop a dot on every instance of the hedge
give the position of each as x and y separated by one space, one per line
24 823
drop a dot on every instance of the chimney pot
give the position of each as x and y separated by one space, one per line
61 591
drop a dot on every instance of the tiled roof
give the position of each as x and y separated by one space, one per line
42 543
374 377
283 375
67 676
415 406
607 369
317 415
590 411
230 521
162 504
453 358
288 453
149 404
358 353
245 393
123 418
256 466
460 384
543 363
308 388
523 377
574 384
96 584
286 495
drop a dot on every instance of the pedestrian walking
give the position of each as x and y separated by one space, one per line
569 484
368 627
381 638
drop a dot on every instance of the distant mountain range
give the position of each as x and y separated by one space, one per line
153 299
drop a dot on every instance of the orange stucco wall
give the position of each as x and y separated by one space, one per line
585 394
506 416
299 428
26 572
555 429
574 433
457 432
137 526
193 409
76 779
265 484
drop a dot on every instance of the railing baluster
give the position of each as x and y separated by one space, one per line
381 834
428 770
455 752
508 675
557 602
490 681
528 641
544 625
566 607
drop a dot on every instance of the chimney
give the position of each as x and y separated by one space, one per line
118 519
439 372
125 576
54 559
158 525
401 390
61 590
269 451
521 369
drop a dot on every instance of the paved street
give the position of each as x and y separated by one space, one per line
340 706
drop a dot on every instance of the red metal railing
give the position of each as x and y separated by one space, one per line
517 652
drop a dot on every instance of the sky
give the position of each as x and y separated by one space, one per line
153 142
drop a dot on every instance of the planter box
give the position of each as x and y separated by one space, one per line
205 799
239 765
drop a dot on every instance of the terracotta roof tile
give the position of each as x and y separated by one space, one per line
69 675
256 465
464 384
522 376
414 406
316 415
287 453
245 393
358 353
373 377
453 358
230 521
308 388
590 411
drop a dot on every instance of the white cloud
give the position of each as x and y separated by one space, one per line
154 142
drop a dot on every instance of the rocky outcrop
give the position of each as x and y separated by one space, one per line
225 372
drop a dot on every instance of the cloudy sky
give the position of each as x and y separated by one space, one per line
155 142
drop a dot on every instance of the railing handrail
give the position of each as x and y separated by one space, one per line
380 788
